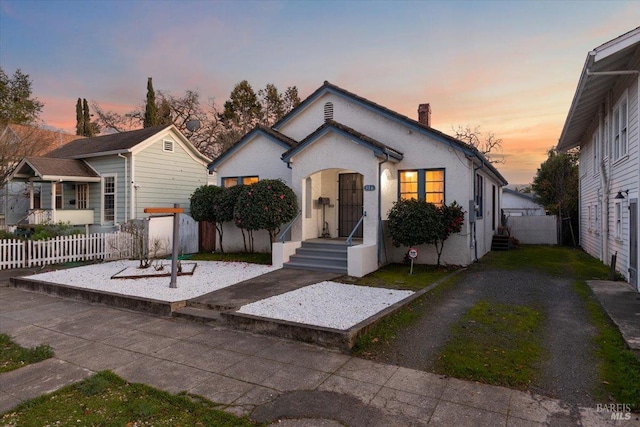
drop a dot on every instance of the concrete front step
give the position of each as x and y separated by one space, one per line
500 243
328 256
319 260
322 252
201 315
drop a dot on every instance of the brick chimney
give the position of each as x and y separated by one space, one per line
424 114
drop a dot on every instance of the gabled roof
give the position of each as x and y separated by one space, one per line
377 147
528 196
53 169
107 144
477 157
603 68
271 134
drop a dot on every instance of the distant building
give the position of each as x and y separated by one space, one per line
515 203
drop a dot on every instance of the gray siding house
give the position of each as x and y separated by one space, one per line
103 181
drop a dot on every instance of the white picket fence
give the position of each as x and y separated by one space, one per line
83 247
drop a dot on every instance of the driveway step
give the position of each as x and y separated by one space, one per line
201 315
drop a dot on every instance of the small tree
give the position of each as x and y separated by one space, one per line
266 206
224 203
450 220
203 205
416 222
412 222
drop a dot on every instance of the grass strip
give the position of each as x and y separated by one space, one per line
253 258
619 368
107 400
13 356
494 344
396 276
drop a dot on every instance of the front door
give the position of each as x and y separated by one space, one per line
350 203
633 243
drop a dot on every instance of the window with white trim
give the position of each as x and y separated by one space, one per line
479 195
82 196
109 198
620 119
618 216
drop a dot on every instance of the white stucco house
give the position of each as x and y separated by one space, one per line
348 160
98 183
604 123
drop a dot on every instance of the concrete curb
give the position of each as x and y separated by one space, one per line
146 305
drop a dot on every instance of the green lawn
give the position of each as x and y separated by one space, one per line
254 258
12 356
494 344
396 276
107 400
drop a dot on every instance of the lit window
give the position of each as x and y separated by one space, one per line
234 180
423 184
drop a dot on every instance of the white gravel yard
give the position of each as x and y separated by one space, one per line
207 277
328 304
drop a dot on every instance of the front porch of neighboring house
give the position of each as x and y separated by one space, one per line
58 191
337 227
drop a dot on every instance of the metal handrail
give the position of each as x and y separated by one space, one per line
350 238
281 236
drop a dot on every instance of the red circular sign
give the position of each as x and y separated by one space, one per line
413 253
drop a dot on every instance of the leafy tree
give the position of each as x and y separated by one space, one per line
151 108
79 118
84 125
17 104
412 222
224 203
203 206
486 143
415 222
450 220
556 185
266 205
243 109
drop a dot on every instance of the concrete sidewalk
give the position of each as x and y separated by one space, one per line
264 377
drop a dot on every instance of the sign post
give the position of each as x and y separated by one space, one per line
413 254
176 211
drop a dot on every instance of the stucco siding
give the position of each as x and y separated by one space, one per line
163 178
258 157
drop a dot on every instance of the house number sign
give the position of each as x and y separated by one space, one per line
369 187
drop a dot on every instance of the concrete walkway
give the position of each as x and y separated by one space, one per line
264 377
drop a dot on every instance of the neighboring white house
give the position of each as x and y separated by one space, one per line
603 121
363 157
515 203
103 181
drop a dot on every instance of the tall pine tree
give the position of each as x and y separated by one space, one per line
88 129
151 110
79 118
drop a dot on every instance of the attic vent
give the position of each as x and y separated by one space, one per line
167 145
328 111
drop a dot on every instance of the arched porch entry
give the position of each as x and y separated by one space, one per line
333 205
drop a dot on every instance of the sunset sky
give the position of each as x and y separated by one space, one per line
508 67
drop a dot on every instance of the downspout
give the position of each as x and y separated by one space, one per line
126 185
475 190
605 184
380 236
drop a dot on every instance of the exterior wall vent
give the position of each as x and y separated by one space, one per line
167 145
328 111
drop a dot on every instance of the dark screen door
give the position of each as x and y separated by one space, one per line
351 204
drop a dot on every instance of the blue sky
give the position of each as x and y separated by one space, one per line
509 67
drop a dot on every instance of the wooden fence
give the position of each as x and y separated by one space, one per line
83 247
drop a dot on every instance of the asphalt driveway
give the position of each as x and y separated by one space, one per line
568 370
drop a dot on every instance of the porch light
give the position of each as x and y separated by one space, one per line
620 196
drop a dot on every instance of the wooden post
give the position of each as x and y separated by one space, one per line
174 255
176 211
